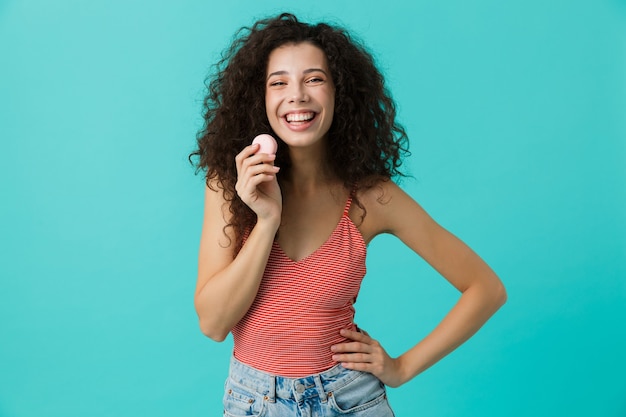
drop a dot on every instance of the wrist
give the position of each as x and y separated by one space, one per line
268 225
403 371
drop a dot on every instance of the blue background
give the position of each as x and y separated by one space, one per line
516 114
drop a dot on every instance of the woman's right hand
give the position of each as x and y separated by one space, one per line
257 185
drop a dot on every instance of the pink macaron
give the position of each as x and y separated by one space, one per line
267 144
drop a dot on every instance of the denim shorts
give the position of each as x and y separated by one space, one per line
335 392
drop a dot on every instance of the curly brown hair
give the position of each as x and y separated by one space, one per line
365 141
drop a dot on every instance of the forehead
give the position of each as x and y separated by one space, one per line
296 56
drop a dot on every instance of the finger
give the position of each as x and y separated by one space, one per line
253 160
357 366
248 157
357 336
351 347
249 172
246 153
261 158
261 169
257 180
353 357
251 149
249 186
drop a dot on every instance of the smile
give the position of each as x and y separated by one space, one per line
299 117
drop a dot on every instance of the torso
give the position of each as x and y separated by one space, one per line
303 303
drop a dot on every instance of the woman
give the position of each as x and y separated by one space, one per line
284 237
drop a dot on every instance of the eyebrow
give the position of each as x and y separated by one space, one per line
306 71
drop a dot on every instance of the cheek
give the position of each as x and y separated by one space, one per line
270 104
271 113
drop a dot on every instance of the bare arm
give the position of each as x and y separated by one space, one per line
482 292
228 284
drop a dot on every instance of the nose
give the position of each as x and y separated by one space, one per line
298 94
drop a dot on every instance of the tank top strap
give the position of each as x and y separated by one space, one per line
346 209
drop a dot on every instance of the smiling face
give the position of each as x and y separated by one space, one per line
299 94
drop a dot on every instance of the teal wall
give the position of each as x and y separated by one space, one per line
517 117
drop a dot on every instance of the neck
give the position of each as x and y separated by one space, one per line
309 173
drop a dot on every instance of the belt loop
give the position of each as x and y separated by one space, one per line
272 392
320 388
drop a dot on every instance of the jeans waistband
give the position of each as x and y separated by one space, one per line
273 386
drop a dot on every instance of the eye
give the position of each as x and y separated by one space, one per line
277 83
315 80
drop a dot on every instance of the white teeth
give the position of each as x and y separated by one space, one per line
299 117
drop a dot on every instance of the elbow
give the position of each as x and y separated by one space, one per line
216 337
213 332
500 296
210 325
490 293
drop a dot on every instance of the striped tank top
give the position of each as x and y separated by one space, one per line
301 306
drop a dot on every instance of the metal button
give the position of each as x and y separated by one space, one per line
300 388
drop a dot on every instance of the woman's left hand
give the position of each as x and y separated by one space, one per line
366 354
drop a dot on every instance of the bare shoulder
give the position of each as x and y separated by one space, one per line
387 208
216 205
